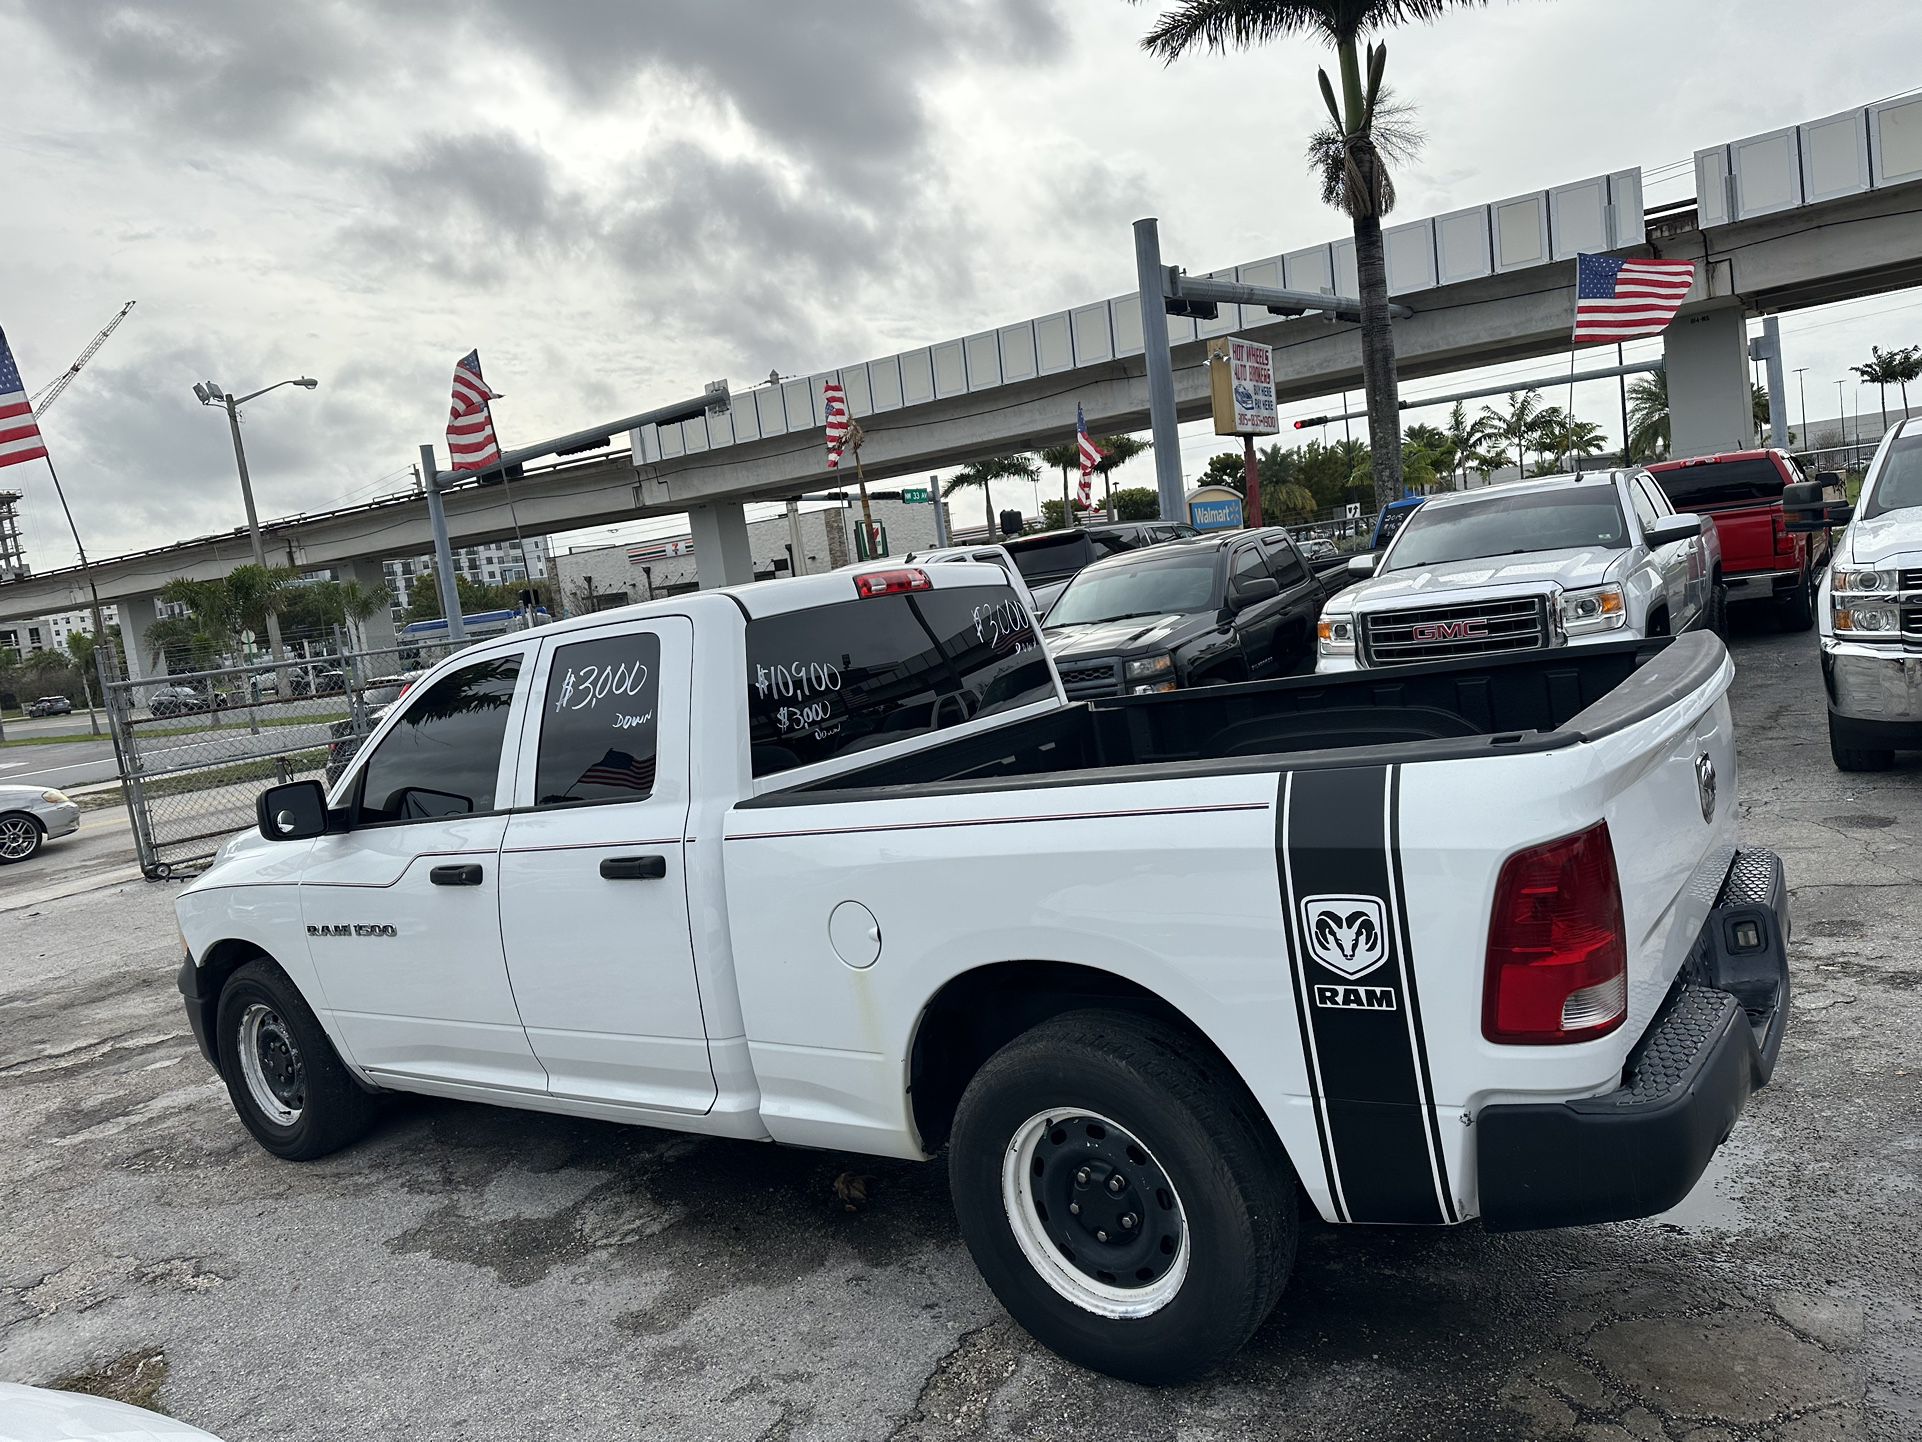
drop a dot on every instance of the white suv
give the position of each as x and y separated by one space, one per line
1870 613
1561 561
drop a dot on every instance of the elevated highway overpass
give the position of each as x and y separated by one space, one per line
1817 213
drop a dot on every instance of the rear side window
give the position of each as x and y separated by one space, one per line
832 680
1721 483
1287 565
443 755
598 721
1049 558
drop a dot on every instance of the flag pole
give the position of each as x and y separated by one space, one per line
1568 420
99 622
507 487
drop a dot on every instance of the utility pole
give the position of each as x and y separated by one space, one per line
797 552
443 552
941 536
1161 371
1801 389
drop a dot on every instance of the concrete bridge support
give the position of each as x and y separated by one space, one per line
376 633
721 554
1710 400
137 617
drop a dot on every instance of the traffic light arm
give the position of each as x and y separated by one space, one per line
1192 294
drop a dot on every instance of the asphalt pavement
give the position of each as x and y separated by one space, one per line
469 1272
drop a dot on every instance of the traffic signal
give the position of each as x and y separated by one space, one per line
1311 421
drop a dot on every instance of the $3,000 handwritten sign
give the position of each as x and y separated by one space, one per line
598 734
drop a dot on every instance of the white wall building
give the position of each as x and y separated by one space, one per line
50 633
598 577
497 563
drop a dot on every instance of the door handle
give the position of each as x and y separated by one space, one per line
468 875
634 868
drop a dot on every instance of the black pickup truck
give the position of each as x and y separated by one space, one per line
1200 611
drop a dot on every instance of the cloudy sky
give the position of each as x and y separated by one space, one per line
618 201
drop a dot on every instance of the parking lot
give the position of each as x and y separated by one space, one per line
470 1272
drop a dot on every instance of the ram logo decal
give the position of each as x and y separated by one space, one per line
1346 934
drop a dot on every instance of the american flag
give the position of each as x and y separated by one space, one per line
834 406
19 435
1091 456
471 442
622 771
1620 299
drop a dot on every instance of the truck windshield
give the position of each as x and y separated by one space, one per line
1577 518
1147 587
1899 487
834 679
1721 483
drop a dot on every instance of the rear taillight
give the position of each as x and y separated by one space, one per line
1784 543
1557 949
892 583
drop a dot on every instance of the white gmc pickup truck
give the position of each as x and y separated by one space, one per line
832 862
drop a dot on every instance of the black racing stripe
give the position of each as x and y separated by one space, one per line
1293 937
1348 957
1414 996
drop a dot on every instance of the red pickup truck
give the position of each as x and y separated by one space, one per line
1761 559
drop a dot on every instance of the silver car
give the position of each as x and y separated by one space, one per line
30 815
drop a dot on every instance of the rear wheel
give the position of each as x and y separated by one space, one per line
285 1080
1717 618
1796 609
1120 1197
1856 758
20 837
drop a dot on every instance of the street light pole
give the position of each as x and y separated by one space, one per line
253 520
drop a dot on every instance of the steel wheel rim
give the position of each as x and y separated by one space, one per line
1030 1175
270 1065
17 838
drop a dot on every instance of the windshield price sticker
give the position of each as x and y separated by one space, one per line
806 688
614 683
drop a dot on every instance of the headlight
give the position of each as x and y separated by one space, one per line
1335 636
55 798
1863 582
1151 666
1601 609
1869 620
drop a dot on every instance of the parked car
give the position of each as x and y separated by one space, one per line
1389 520
38 1414
1534 565
1315 548
1762 559
1870 609
1146 970
1049 559
180 700
30 816
50 706
1238 606
370 704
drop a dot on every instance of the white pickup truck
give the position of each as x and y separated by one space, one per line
832 862
1526 566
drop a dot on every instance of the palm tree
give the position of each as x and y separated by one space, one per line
1065 457
1469 438
1882 372
984 473
1517 428
1351 157
1648 431
1116 451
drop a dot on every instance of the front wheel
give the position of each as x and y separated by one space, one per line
1717 618
1856 758
1796 609
20 838
285 1080
1121 1198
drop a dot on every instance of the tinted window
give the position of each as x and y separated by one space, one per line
1644 508
442 756
1113 543
836 679
1899 486
1157 584
1573 518
1287 565
1249 566
598 721
1655 496
1721 483
1050 557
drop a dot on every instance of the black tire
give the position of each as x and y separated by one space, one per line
1857 758
1224 1171
332 1111
1796 609
17 830
1717 619
1658 623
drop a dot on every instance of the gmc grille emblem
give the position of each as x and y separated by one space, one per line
1449 631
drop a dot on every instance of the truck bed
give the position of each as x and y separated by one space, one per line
1438 711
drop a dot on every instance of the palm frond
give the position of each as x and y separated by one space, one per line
1221 25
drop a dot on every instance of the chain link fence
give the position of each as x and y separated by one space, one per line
195 750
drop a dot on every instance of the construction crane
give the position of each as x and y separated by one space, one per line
50 392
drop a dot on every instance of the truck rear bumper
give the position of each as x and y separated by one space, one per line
1639 1149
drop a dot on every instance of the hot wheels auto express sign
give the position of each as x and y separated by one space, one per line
1242 385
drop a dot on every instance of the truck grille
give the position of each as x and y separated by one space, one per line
1912 580
1441 633
1090 683
1912 624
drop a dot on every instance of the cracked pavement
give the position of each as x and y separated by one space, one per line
470 1272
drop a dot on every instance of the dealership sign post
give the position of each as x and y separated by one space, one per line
1241 385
